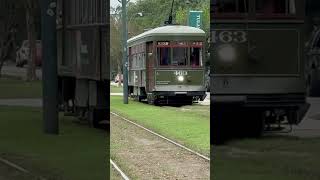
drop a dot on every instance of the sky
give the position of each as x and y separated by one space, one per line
115 3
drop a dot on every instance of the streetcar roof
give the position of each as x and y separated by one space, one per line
170 30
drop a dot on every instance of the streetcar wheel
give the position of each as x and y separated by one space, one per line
313 84
96 116
150 99
255 125
218 133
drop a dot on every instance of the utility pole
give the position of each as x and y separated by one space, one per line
49 68
125 49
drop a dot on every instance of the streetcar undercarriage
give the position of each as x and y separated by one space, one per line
255 118
167 97
85 99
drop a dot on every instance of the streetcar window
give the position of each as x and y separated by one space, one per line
270 7
164 56
231 6
195 57
180 56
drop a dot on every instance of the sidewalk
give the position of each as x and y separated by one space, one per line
21 102
12 70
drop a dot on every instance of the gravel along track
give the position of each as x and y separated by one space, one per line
142 155
119 172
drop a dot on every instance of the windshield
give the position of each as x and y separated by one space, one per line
164 56
180 54
276 7
230 6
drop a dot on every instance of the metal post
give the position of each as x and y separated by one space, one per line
49 68
125 56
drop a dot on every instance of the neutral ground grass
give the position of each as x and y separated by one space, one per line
14 88
115 89
187 125
78 152
276 158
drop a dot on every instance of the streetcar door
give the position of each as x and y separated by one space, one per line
150 66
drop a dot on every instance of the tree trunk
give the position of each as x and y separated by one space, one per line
4 50
119 73
31 71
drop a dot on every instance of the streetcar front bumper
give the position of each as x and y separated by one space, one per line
201 95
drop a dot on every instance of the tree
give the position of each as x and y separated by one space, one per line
154 14
32 11
115 41
8 17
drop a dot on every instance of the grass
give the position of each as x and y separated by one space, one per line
115 89
78 152
188 125
14 88
277 158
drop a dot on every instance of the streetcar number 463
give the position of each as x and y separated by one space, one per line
229 36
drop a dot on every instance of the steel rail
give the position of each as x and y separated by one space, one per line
19 168
123 175
165 138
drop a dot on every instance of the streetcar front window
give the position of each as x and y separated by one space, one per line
180 56
230 6
195 57
276 7
178 53
164 56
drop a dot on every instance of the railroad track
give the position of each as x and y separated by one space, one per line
163 137
123 175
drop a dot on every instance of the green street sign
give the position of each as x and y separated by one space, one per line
195 19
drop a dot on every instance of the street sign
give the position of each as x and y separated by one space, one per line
195 19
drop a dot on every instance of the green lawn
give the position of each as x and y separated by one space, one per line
11 87
276 158
115 89
187 125
78 152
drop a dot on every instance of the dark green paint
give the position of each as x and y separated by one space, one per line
266 52
169 77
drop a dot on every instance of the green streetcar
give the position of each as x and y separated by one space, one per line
166 65
258 55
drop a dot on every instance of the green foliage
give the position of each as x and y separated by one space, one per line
154 14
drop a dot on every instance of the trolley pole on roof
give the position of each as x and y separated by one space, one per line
125 49
49 68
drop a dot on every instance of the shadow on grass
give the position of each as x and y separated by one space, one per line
13 88
78 152
271 157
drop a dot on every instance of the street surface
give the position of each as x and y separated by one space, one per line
12 70
21 102
142 155
310 126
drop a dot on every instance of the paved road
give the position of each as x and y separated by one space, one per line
21 102
310 126
12 70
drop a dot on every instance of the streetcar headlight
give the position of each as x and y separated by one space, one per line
227 53
180 78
